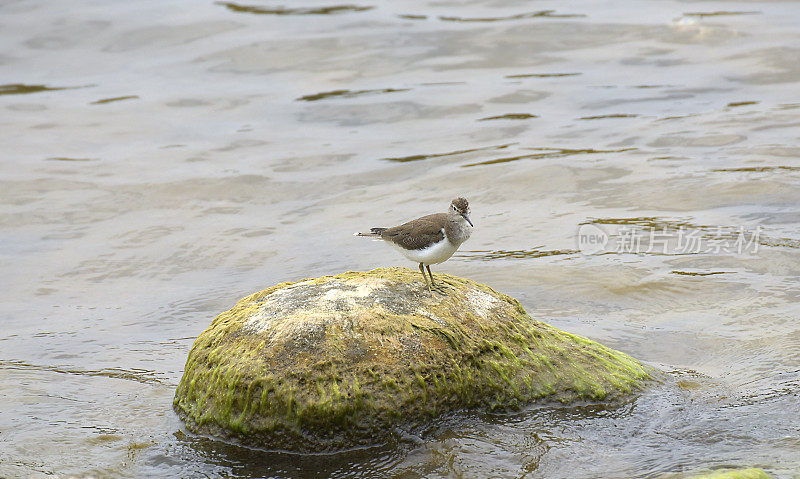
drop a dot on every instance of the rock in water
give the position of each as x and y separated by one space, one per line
735 474
345 360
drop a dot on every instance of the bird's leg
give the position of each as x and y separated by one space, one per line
422 270
429 272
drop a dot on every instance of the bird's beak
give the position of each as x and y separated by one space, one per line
468 221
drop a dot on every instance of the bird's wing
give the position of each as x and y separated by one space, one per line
418 233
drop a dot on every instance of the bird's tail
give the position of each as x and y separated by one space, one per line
373 233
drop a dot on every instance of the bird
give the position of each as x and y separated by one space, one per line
431 239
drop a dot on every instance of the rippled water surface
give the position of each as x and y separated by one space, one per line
160 160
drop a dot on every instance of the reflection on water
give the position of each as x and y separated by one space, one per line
698 273
111 100
511 254
406 159
542 75
139 375
546 153
742 103
347 93
163 160
510 116
293 11
760 168
518 16
720 13
614 115
21 89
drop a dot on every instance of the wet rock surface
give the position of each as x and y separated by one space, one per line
734 474
348 360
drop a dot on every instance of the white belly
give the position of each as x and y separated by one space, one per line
433 254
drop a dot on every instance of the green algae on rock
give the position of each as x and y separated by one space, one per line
734 474
343 361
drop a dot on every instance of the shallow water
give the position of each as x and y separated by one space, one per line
161 160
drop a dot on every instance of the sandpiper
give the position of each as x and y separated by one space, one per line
431 239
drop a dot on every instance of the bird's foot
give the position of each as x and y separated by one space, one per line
434 288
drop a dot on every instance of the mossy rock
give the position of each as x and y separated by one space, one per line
342 361
734 474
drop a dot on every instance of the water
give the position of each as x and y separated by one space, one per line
160 160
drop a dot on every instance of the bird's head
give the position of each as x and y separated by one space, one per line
459 207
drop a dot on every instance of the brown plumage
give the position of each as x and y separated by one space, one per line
416 234
430 239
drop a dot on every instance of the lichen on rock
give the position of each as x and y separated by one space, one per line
341 361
